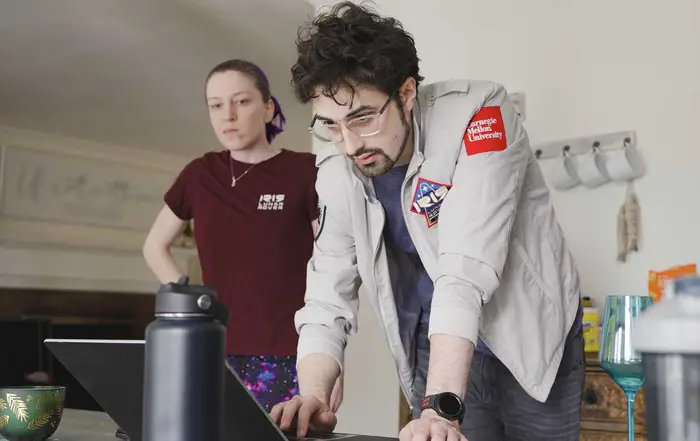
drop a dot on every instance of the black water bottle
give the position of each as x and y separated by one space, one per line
183 391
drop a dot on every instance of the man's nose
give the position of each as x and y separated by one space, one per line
351 142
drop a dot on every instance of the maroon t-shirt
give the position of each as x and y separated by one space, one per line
254 241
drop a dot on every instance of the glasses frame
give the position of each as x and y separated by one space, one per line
344 124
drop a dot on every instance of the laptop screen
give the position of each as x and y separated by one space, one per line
112 372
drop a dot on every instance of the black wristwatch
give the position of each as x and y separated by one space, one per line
446 404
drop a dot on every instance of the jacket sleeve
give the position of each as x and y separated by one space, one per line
332 282
477 215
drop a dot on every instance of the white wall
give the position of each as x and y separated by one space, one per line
59 255
586 67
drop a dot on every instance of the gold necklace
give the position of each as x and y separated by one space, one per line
233 177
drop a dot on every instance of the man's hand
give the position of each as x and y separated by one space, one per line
431 427
318 373
305 413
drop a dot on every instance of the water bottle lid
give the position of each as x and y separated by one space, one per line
183 300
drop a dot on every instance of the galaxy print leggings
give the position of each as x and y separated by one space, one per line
270 379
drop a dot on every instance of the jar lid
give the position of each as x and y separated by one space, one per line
672 325
687 286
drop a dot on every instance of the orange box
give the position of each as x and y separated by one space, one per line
657 279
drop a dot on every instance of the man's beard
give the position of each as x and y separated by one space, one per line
382 162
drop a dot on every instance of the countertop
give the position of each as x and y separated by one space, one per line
85 425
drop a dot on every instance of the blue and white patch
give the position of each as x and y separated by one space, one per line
427 199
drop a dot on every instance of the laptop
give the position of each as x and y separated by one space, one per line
112 373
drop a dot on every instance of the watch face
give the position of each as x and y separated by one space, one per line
449 404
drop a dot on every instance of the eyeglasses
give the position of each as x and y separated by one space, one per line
362 126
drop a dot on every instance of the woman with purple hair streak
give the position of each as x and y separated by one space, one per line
255 213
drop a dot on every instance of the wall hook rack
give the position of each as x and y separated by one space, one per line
578 146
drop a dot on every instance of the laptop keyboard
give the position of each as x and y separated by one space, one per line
291 436
288 434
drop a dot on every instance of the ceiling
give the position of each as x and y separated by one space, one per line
131 73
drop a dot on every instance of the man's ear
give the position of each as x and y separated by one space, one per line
407 93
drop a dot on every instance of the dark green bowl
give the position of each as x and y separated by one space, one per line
30 413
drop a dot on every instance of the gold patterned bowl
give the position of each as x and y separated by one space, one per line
30 413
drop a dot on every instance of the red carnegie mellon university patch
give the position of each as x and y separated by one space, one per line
486 132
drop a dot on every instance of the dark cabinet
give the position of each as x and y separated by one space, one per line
23 351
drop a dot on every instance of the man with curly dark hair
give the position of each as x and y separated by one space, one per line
432 199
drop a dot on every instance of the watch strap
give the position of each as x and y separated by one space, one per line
432 402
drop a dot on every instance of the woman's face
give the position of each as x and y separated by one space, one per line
236 110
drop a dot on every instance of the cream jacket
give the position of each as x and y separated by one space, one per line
478 211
